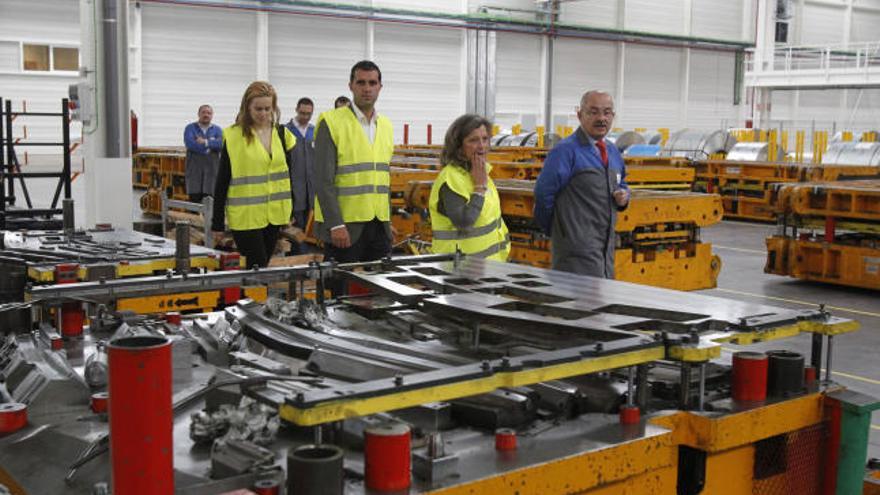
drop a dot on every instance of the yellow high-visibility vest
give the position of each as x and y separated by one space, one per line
259 190
363 180
487 238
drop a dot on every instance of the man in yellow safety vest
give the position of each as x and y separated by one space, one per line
353 148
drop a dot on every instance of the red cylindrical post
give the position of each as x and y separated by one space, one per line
141 419
405 133
629 415
505 439
387 457
809 375
98 402
13 417
830 227
749 376
429 133
267 487
174 318
72 319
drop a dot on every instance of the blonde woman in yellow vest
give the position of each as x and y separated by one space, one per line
465 207
353 148
252 189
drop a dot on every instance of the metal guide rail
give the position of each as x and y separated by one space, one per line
103 254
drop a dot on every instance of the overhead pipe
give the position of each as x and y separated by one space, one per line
454 21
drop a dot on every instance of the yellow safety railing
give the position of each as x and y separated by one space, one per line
540 131
664 135
772 150
820 144
799 141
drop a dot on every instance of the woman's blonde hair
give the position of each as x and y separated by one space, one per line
256 89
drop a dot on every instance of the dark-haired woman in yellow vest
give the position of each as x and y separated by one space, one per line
465 207
252 189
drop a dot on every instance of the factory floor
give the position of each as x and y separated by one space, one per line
741 247
855 361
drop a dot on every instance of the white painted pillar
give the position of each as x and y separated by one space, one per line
687 19
748 12
619 102
765 41
262 43
685 87
847 23
136 64
370 41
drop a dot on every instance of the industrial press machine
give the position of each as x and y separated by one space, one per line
435 374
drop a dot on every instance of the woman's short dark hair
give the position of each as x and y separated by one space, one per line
455 135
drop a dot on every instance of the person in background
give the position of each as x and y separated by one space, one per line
252 189
579 191
353 148
465 206
302 167
203 140
342 101
300 125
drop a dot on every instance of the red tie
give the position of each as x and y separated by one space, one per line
603 151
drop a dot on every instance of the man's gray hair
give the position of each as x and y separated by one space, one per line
592 92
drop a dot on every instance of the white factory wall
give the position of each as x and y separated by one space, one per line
819 22
41 22
423 66
301 64
180 73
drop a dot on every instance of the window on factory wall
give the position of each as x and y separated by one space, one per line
64 58
45 58
36 57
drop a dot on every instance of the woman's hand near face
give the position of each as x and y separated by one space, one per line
478 171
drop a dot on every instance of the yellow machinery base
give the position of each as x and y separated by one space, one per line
649 464
841 264
670 269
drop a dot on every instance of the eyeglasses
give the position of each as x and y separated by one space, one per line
595 112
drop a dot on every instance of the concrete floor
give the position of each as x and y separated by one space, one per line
856 362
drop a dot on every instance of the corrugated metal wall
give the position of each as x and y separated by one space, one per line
303 63
580 66
647 15
518 75
195 55
710 91
192 57
866 25
423 77
822 24
652 88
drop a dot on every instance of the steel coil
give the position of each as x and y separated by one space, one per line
749 152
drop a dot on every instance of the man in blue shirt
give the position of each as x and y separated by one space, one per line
302 165
581 188
203 141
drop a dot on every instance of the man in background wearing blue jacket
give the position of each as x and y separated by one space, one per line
581 188
302 168
203 141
